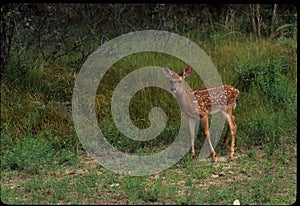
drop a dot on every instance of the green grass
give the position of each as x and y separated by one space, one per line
42 161
251 180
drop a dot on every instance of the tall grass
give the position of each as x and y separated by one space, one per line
264 72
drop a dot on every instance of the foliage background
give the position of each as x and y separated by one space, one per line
254 47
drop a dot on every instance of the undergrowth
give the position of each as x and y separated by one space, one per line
33 97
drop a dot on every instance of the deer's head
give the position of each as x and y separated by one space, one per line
177 80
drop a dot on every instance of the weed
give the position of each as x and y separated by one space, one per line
29 155
252 154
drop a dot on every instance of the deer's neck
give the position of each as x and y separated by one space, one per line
188 102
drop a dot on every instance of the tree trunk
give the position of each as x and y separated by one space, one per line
258 21
273 21
3 40
252 14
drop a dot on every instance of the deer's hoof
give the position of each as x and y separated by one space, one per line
213 156
193 153
231 153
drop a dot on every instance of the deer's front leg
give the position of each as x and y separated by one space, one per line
192 123
204 122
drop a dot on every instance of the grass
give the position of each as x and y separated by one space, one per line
42 161
250 178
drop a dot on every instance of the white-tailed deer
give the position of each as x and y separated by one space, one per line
200 103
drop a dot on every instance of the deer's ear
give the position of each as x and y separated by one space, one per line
187 71
167 72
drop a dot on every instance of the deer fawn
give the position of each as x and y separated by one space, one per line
200 103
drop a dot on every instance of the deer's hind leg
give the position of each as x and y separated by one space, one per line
230 130
225 141
233 133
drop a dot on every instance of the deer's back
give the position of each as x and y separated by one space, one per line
217 95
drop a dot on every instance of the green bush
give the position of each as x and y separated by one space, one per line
263 75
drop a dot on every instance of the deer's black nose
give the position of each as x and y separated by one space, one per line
173 89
